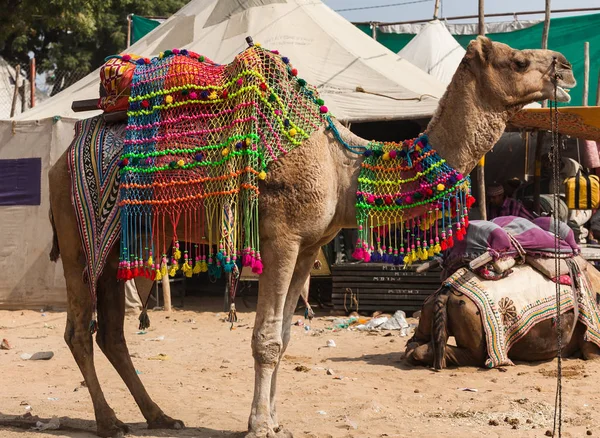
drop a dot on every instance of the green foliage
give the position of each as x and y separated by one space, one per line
71 35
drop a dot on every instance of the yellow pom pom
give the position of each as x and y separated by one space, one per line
257 44
262 175
386 156
406 260
293 132
150 261
169 99
248 142
177 254
225 152
163 269
161 55
203 266
212 96
440 187
181 163
424 254
158 275
430 251
197 268
187 269
173 270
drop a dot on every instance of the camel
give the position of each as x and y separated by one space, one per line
451 313
309 197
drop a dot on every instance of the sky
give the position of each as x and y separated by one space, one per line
424 8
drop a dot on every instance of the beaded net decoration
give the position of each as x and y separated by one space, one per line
199 137
410 203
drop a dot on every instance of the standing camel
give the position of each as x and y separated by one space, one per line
309 196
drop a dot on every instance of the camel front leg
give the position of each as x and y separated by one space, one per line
298 286
279 257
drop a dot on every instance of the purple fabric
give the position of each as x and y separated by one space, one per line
20 181
532 238
564 231
510 207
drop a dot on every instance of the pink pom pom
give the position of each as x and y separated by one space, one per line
258 267
393 154
408 200
240 81
323 109
366 257
126 58
175 51
358 254
371 199
193 95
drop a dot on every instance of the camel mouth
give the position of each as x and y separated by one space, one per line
562 94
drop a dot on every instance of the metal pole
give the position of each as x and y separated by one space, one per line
16 92
586 72
481 164
32 81
537 176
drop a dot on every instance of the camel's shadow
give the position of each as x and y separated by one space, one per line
394 360
79 428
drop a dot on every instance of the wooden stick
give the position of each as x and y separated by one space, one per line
481 165
13 108
84 105
166 289
586 72
481 17
32 82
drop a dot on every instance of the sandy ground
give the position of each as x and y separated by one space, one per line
207 382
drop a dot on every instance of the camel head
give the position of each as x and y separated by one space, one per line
509 78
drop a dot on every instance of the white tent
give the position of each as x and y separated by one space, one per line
435 51
328 52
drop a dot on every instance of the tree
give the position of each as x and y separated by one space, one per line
71 36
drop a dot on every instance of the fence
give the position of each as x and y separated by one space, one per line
16 89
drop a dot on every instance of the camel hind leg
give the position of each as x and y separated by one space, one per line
79 305
111 340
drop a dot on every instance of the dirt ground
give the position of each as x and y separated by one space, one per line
207 382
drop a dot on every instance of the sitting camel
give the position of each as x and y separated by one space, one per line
449 312
309 197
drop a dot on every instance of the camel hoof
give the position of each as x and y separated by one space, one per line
165 422
114 429
278 432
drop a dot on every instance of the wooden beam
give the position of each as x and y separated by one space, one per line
84 105
482 201
436 9
117 116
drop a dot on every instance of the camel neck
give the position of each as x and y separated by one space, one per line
464 127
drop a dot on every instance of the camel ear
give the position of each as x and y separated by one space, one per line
481 48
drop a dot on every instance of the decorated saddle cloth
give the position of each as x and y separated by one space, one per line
511 307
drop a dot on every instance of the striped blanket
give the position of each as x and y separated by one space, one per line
92 158
510 307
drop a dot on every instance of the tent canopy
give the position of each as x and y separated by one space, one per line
435 51
327 50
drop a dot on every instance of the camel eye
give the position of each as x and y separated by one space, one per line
521 64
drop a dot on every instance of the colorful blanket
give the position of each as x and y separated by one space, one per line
512 306
92 160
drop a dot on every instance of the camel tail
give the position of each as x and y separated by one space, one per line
55 251
439 329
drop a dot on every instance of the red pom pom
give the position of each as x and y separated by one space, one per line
125 161
294 72
126 58
263 86
470 201
460 234
443 245
450 242
145 103
388 200
393 154
429 192
225 93
147 60
466 221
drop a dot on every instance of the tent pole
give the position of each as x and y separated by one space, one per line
166 289
129 29
537 176
16 92
481 164
598 91
586 72
374 30
436 9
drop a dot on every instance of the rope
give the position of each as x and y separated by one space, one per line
556 160
353 299
339 138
